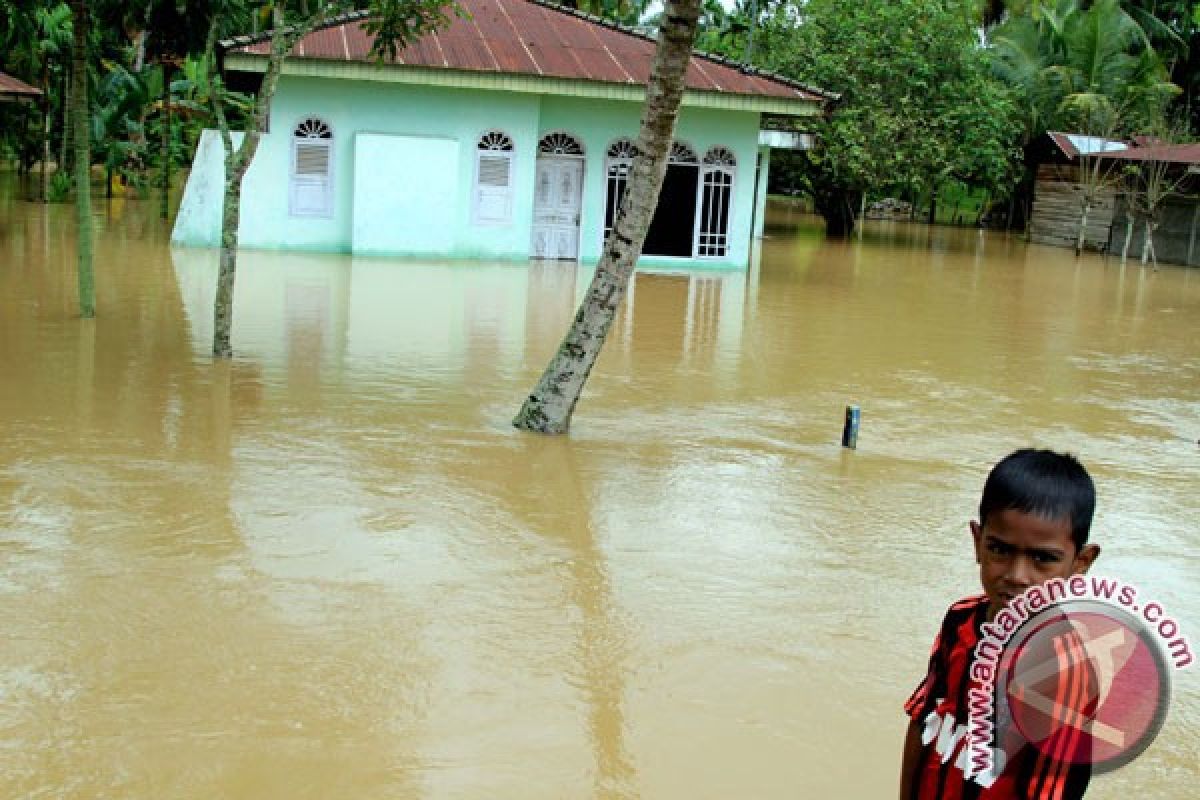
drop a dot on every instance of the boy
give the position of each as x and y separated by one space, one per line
1033 526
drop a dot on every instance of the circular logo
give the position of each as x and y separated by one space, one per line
1085 683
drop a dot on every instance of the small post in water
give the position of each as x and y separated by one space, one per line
850 431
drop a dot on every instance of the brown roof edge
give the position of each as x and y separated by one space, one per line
18 87
355 16
729 62
247 40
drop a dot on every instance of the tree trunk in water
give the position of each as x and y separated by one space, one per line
549 407
1128 236
44 188
230 216
1087 207
64 144
83 160
1148 244
165 142
836 206
237 162
933 206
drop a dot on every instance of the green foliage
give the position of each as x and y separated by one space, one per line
1079 68
60 187
919 105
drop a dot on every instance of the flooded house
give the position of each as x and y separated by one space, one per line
1060 189
506 135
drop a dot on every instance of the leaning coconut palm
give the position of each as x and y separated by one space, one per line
549 407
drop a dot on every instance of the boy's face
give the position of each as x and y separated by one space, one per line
1017 550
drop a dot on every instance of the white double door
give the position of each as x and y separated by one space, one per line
557 201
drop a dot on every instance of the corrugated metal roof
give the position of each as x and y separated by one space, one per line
533 37
11 86
1073 144
1168 153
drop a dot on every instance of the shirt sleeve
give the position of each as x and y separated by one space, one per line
921 701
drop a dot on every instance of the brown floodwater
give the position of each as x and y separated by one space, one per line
331 569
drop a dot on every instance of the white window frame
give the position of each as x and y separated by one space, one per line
493 144
296 182
680 152
621 146
717 160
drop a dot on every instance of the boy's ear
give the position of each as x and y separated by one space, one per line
977 535
1086 557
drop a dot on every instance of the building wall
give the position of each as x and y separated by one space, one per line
1176 239
1057 208
460 115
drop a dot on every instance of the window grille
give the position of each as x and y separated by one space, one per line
712 235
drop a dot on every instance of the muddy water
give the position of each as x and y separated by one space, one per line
330 569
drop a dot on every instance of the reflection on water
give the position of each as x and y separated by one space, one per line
330 568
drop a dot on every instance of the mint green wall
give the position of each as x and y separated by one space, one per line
760 200
354 107
357 106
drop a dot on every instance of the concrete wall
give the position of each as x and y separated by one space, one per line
458 116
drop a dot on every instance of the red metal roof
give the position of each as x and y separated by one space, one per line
532 37
1169 153
12 86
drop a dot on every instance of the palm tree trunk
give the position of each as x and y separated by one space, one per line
165 141
83 160
64 143
549 407
44 188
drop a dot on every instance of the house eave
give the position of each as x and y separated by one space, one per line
510 82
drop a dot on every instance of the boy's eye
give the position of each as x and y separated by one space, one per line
997 547
1045 558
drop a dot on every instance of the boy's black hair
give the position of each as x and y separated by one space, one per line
1042 482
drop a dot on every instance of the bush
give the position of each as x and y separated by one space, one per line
58 187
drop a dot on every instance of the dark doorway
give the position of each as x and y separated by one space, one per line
673 226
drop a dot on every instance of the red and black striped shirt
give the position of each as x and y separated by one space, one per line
939 706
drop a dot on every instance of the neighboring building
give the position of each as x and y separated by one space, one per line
1058 192
13 90
1177 237
506 135
1058 195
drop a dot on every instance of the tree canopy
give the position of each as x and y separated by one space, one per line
918 106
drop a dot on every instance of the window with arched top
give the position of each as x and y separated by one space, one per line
682 154
493 197
716 199
617 162
559 144
311 190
